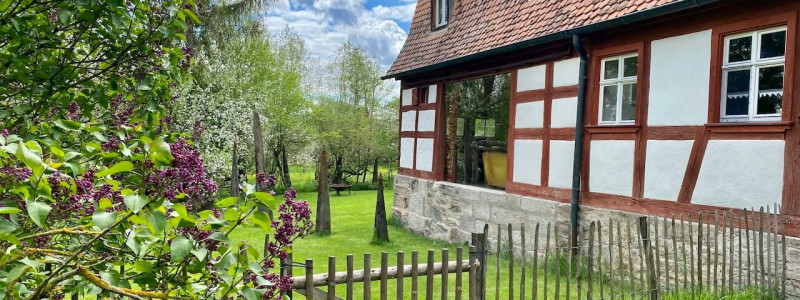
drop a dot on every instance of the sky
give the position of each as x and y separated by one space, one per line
377 26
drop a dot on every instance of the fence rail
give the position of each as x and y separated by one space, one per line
709 255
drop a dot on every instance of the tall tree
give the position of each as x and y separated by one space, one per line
323 219
381 234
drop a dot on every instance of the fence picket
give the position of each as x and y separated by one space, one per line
385 275
445 272
761 274
331 276
414 275
367 279
747 239
401 267
611 259
557 243
621 269
510 246
309 279
524 266
713 286
473 274
429 277
590 262
783 248
691 280
724 255
546 260
534 288
630 260
497 270
775 251
599 257
349 294
459 257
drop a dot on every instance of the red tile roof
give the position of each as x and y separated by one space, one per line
481 25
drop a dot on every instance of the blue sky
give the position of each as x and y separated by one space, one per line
378 26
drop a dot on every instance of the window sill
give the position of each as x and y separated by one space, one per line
751 127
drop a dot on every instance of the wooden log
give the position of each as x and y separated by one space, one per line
523 264
309 282
331 274
652 282
400 276
375 273
367 279
385 275
445 260
381 232
429 276
535 281
414 274
323 219
349 277
459 287
590 263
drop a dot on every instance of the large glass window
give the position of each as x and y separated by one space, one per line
752 76
618 89
477 131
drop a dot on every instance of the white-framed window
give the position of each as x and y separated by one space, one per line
441 12
618 89
752 76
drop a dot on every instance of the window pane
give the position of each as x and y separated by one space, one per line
737 92
739 49
773 44
609 103
490 127
480 125
628 102
770 90
611 69
631 63
460 127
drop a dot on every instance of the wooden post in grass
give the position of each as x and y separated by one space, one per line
323 220
381 233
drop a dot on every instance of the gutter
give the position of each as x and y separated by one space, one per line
643 15
577 159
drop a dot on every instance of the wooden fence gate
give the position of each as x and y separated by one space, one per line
710 255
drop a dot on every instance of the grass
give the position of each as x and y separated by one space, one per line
352 226
303 178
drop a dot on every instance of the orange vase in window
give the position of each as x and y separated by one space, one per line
495 165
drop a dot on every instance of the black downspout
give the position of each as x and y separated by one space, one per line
577 160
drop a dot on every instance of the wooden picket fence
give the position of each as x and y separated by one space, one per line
709 255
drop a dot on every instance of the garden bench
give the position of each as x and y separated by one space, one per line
338 187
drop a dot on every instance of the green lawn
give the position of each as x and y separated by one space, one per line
352 224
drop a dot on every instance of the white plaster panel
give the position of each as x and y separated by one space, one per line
611 167
406 96
432 94
427 120
561 158
424 154
528 161
563 112
679 75
407 153
665 167
530 78
741 174
565 72
529 115
409 120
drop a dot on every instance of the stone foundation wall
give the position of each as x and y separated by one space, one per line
451 212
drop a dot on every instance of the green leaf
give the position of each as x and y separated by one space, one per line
158 220
200 253
267 199
7 226
160 154
104 204
252 294
30 159
11 238
68 124
123 166
191 16
143 266
57 151
227 202
64 16
104 219
16 272
135 202
262 220
38 212
180 247
9 210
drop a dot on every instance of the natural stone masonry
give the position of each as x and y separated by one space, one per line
451 212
